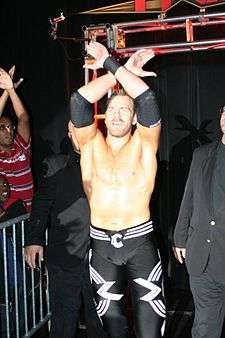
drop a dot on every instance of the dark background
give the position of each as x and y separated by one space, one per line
189 88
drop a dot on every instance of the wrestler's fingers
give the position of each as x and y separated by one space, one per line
95 44
146 57
91 50
150 53
145 74
145 51
140 51
91 44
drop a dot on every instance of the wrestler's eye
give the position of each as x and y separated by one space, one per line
125 110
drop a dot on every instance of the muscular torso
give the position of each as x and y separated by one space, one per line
118 185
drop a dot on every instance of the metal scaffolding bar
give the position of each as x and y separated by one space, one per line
117 34
201 16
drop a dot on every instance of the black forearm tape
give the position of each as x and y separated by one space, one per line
81 111
147 109
111 64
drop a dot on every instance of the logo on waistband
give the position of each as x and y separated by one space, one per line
116 242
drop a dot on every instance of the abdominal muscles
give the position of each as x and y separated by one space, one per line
118 197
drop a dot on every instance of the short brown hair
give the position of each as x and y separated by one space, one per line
119 92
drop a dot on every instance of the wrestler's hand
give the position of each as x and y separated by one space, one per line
6 81
32 253
137 60
99 53
180 254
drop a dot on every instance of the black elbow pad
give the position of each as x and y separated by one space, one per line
147 109
81 111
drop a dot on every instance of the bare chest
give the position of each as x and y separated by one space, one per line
120 174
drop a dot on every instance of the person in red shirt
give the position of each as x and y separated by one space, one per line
15 147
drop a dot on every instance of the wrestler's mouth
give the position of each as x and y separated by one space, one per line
117 123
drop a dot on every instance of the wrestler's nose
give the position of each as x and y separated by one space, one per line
116 115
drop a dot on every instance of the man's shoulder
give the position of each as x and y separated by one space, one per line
99 137
206 148
95 142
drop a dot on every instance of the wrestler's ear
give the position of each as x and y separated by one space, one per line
134 119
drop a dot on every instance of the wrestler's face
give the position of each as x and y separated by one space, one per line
120 116
6 133
4 189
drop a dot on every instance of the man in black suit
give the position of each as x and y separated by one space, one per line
61 196
199 238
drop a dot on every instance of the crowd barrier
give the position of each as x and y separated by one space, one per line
24 294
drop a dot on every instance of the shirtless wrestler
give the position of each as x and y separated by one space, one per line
119 174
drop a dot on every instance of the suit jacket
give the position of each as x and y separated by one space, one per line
197 218
61 204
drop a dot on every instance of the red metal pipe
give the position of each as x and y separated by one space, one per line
207 2
139 6
165 4
160 27
161 51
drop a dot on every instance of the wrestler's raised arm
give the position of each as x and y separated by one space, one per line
128 76
81 100
131 83
148 117
81 107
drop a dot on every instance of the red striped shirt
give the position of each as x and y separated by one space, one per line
15 166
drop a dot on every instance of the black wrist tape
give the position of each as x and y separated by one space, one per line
81 112
147 109
111 64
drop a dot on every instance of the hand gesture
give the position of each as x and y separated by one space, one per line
99 53
137 60
5 80
180 254
11 73
32 253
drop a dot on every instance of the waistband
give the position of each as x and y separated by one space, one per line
116 236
